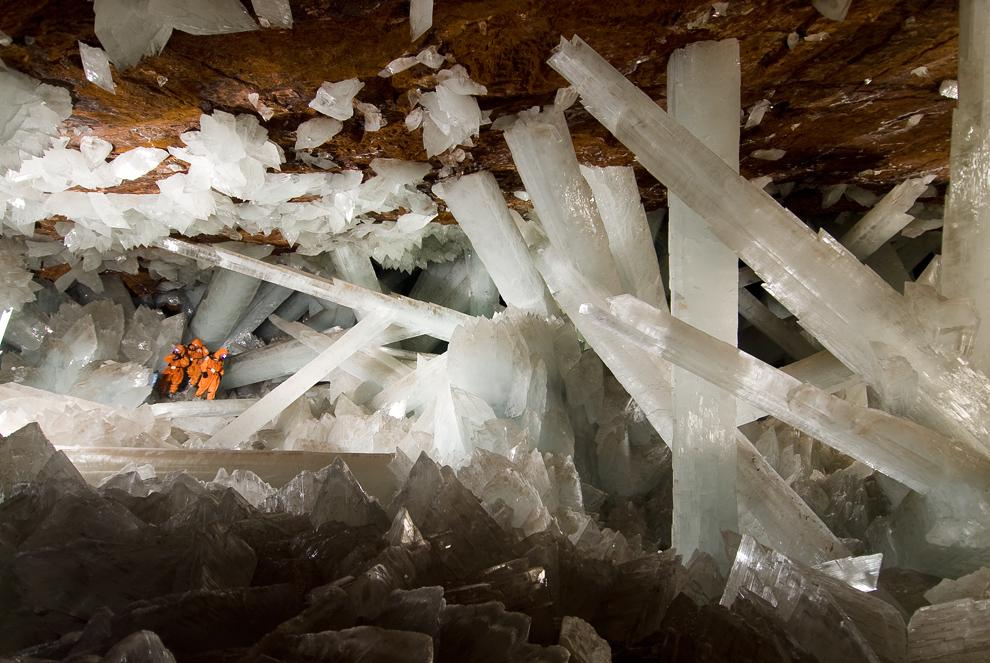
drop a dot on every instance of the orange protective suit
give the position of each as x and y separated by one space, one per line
174 372
197 356
212 374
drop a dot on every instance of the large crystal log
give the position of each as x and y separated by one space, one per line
478 205
966 232
845 305
425 318
274 467
916 456
955 631
703 90
267 300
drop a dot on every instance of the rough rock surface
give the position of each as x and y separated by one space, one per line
841 97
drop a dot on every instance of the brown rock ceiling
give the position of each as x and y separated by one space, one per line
840 104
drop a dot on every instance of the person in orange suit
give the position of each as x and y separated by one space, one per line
212 374
197 355
174 372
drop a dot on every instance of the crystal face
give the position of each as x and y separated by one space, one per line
480 410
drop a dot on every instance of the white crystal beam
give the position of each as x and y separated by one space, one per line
920 458
544 155
629 238
274 402
966 230
769 509
422 317
845 305
703 89
887 218
477 203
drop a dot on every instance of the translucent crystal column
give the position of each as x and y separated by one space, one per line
857 317
703 83
544 155
629 238
478 205
228 297
966 232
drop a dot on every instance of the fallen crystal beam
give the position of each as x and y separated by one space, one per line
821 612
544 156
920 458
966 230
477 203
370 364
703 88
423 317
769 509
949 632
274 467
629 239
887 218
852 312
274 402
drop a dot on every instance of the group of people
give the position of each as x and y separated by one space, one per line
195 363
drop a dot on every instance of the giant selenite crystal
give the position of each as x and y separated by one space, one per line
703 93
966 231
844 304
542 150
480 209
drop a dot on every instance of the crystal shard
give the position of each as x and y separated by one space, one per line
822 613
420 18
585 645
273 13
96 66
334 99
